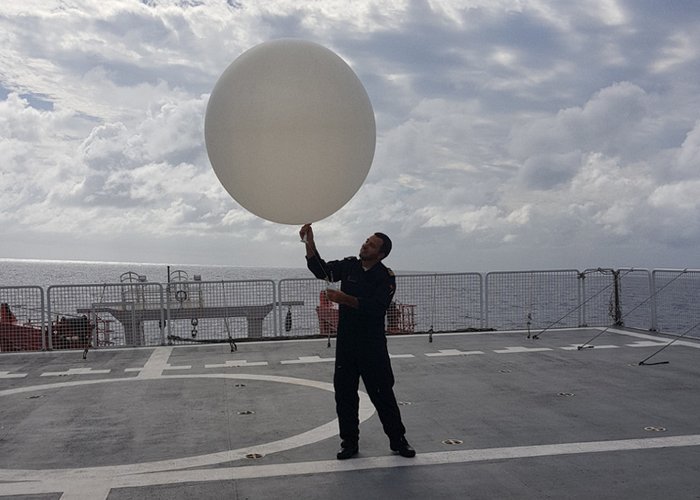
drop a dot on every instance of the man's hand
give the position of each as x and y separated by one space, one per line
342 298
306 234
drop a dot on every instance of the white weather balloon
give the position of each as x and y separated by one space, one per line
290 131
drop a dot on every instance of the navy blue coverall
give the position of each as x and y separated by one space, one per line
361 349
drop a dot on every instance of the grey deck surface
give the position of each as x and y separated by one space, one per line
528 419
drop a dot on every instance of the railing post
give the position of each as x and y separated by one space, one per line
486 301
277 315
161 322
482 321
652 286
49 345
45 332
618 310
582 299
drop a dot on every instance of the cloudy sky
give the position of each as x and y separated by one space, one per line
511 135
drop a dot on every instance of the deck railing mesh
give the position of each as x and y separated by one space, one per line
145 314
677 301
22 319
210 311
532 299
106 315
439 302
619 297
308 318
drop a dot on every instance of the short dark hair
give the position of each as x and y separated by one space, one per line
386 244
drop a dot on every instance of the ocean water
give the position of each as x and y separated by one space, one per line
44 273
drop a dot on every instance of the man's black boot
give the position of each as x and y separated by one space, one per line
347 450
403 448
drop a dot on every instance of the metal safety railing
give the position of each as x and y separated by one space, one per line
442 302
116 314
676 304
210 311
616 297
532 299
22 319
139 313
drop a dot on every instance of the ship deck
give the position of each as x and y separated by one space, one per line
490 414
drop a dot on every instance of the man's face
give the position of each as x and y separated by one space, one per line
370 249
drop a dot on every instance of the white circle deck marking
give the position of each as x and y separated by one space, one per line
319 433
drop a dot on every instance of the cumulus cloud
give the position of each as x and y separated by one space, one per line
510 134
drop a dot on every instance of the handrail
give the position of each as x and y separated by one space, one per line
660 300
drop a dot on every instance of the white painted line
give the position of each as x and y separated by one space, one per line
89 490
657 338
167 366
12 375
399 356
452 352
518 349
74 371
422 459
647 343
574 347
97 488
307 359
68 478
236 363
156 363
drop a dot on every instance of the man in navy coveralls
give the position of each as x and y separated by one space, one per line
366 290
